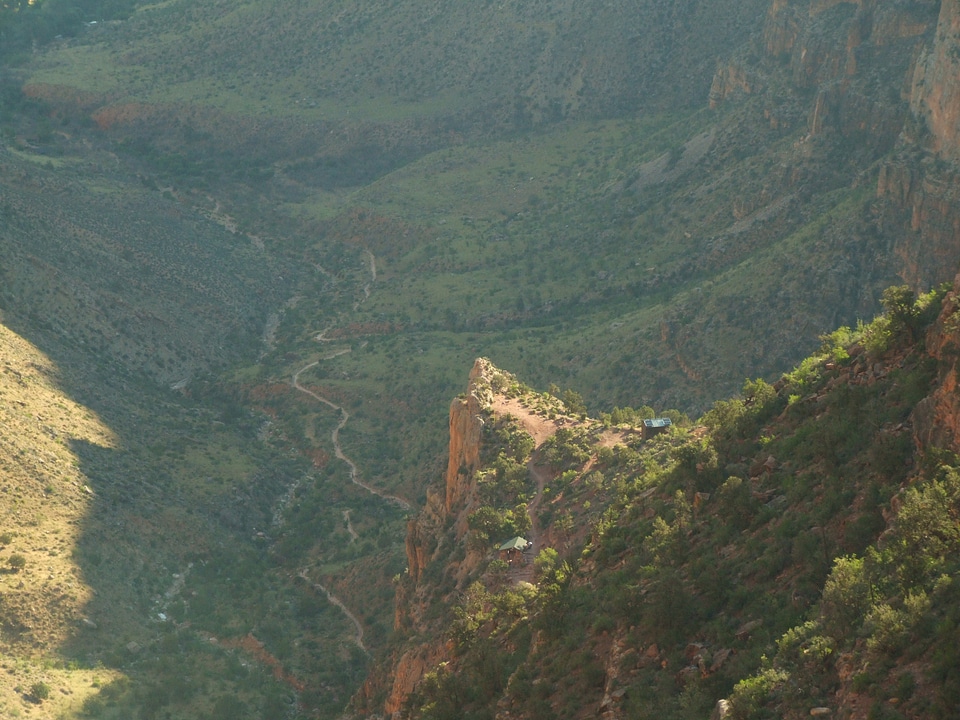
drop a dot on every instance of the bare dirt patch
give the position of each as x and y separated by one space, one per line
540 428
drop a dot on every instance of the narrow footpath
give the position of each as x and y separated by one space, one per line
353 533
334 600
340 455
335 435
541 475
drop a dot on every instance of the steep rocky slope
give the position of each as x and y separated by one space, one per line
934 96
46 497
796 554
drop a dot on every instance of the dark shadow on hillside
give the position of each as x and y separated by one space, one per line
126 293
175 545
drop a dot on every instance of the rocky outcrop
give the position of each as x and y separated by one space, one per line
421 535
467 414
850 63
466 426
427 540
935 96
730 79
936 419
466 429
882 77
411 668
847 51
919 186
921 214
782 28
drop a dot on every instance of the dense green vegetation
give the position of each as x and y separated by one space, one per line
798 550
201 201
24 24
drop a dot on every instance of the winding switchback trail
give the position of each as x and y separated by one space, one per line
335 435
338 451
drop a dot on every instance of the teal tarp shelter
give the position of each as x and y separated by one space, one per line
517 543
512 550
655 426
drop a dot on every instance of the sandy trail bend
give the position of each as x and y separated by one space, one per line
373 279
334 600
353 533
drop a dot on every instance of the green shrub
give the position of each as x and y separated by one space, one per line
900 304
926 538
604 623
545 561
805 375
846 597
573 401
750 695
835 344
886 628
906 684
568 447
736 503
228 707
498 567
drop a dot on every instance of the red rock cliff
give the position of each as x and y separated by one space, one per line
466 426
936 92
920 186
936 419
427 539
466 429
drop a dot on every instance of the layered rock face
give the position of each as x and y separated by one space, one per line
919 186
445 510
921 212
936 92
411 668
466 426
882 77
853 65
936 419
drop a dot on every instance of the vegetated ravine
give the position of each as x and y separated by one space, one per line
640 203
340 455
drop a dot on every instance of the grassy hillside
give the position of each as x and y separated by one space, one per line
404 59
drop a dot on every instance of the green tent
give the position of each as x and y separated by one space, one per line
517 543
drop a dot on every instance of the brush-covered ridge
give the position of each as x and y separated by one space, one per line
794 552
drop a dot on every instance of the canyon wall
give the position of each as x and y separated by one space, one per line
936 419
935 97
442 521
